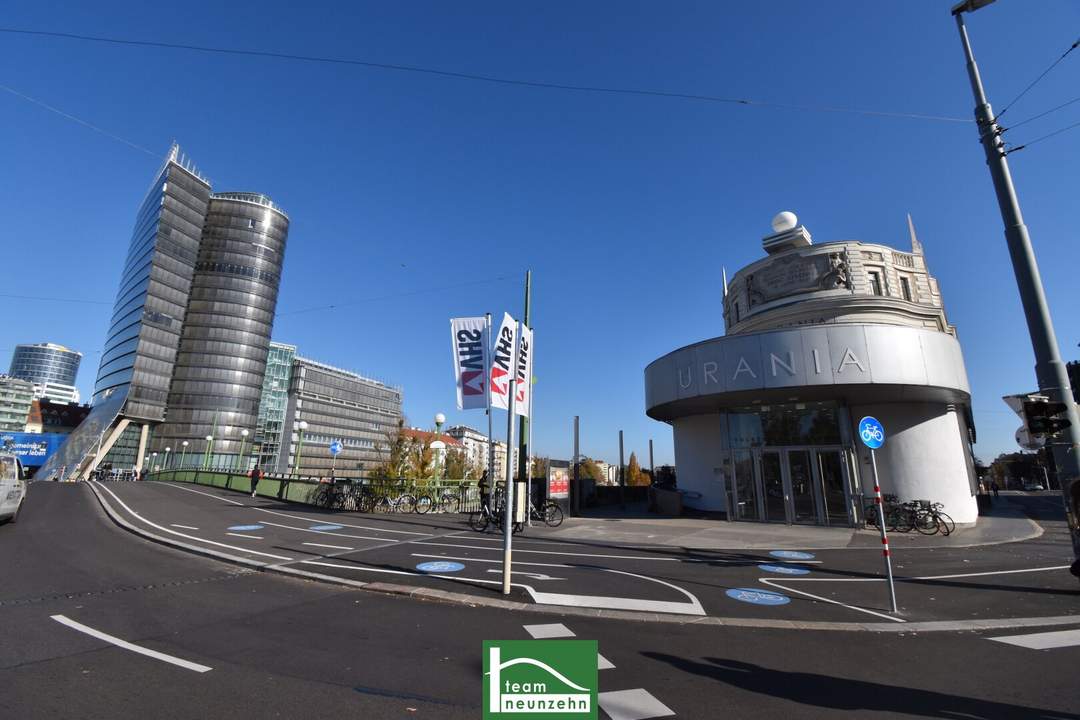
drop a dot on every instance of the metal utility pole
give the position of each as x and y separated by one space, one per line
622 475
575 490
1049 370
508 491
487 394
652 468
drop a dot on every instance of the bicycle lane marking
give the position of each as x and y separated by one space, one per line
185 535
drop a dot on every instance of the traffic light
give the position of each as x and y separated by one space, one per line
1042 417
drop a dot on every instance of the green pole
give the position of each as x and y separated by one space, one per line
523 422
299 451
240 459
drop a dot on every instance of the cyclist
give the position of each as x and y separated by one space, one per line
484 486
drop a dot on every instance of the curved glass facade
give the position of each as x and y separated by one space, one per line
45 363
218 375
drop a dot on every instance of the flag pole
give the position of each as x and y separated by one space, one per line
508 490
487 394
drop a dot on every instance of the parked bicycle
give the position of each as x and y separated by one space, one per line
548 513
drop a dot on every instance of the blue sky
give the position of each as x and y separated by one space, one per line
415 198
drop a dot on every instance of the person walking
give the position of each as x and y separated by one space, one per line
255 475
484 486
995 490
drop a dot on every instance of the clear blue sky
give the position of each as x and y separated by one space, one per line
403 187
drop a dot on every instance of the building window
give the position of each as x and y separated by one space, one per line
875 282
736 306
905 288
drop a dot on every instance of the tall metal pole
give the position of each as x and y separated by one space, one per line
1049 370
528 465
622 476
523 423
652 468
508 491
487 394
884 535
576 497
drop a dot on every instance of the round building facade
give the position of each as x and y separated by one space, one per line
765 418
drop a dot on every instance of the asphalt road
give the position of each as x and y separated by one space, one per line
285 648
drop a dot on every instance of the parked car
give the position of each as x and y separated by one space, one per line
1033 486
12 488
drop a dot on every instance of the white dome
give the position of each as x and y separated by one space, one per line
784 221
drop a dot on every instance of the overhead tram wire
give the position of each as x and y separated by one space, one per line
1036 80
1042 114
1044 137
422 291
485 78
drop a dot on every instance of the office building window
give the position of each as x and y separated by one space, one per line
875 282
905 288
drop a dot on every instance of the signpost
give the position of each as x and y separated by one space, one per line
335 447
872 434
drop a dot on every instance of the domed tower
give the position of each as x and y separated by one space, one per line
819 335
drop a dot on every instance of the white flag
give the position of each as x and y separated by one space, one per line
502 361
468 337
523 382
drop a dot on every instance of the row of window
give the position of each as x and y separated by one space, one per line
241 270
877 285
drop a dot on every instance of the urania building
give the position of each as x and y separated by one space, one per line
818 336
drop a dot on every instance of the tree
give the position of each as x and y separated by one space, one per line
421 460
457 465
589 469
634 475
395 449
539 467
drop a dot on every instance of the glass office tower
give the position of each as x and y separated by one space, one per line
45 363
218 377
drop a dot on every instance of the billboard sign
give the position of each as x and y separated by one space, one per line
558 482
468 337
32 449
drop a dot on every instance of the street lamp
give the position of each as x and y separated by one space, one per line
243 437
209 449
438 447
183 453
1049 370
165 462
300 428
153 462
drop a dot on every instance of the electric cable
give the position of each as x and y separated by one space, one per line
1036 80
1042 114
1044 137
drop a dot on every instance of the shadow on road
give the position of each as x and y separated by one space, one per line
842 693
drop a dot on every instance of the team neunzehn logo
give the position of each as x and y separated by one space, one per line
532 679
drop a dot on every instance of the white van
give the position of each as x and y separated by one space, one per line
12 488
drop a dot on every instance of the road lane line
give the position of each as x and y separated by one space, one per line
186 664
185 527
1042 641
772 583
329 532
546 552
470 559
549 631
332 547
983 574
184 535
250 537
602 663
636 704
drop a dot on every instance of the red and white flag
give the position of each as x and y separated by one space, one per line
470 342
502 363
523 382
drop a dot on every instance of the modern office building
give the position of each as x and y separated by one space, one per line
765 418
16 396
51 368
325 404
164 380
272 405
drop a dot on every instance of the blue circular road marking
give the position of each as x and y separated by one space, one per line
326 527
247 527
758 597
440 566
784 569
792 555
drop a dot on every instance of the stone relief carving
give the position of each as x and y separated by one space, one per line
837 275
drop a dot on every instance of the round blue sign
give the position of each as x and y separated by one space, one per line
326 527
758 597
247 527
871 432
784 569
336 447
440 566
792 555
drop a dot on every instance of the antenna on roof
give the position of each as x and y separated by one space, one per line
723 270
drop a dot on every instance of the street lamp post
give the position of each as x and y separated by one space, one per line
153 462
183 453
165 462
300 428
243 438
439 447
209 449
1049 370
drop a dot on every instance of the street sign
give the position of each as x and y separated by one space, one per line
871 432
336 447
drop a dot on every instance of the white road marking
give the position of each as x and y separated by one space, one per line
330 532
292 515
548 552
533 575
469 559
602 663
332 547
180 534
186 664
1042 641
250 537
638 704
773 583
773 561
982 574
185 527
546 632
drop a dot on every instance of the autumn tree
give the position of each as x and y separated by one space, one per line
456 466
395 451
589 469
634 474
539 467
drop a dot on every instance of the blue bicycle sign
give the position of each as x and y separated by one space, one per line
871 432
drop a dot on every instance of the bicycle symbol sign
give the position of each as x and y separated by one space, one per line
871 432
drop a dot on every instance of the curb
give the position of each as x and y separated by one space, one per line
432 594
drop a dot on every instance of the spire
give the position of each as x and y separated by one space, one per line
916 246
724 271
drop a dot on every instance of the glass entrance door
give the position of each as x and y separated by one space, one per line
746 491
830 470
772 483
803 500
